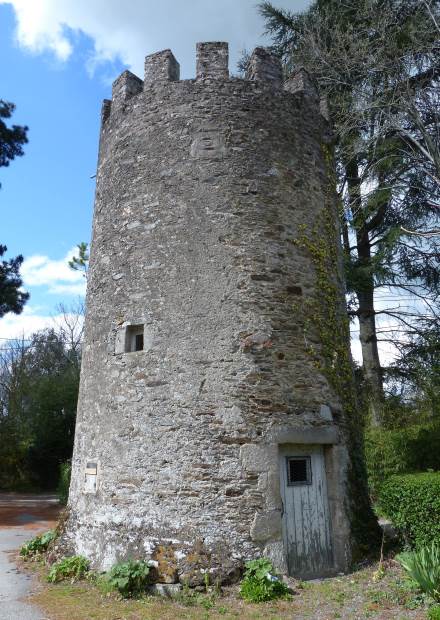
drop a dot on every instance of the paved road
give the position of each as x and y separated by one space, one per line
21 518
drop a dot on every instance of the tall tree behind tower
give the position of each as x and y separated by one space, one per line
377 63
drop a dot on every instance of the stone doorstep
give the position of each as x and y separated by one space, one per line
168 590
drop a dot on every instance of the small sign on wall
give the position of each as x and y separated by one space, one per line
91 477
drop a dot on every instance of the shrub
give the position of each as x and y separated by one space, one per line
400 451
74 568
64 482
412 502
37 545
423 566
129 578
260 584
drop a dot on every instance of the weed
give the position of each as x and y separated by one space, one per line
129 578
74 568
434 613
423 566
38 545
260 584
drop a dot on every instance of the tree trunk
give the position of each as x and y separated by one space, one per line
372 370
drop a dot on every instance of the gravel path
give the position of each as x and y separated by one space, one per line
21 518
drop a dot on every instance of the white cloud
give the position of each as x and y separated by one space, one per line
56 275
30 321
129 30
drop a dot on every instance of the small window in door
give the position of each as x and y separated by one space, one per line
299 470
134 340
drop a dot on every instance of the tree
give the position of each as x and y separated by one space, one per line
11 138
81 262
12 299
11 146
38 395
378 64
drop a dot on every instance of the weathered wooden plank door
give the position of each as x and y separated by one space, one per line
306 516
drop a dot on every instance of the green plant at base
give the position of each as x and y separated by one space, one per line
129 578
64 482
260 584
37 545
412 502
74 568
423 566
434 613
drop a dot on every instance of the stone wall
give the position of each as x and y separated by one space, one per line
203 185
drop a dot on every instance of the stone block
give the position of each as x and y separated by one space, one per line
167 590
264 66
212 60
257 458
266 526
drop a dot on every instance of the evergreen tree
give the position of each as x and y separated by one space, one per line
377 62
12 140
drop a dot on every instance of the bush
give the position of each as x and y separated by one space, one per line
129 578
73 568
260 583
406 450
423 566
412 502
37 545
64 482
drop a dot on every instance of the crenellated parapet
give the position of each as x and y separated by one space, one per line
264 71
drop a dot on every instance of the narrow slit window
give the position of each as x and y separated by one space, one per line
139 342
134 340
299 470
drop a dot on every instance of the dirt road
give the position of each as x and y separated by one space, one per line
22 516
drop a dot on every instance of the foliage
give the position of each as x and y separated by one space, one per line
11 138
400 450
64 482
434 613
260 584
12 299
81 262
74 568
412 502
423 566
129 578
38 395
377 64
37 545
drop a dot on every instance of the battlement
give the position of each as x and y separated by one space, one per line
264 68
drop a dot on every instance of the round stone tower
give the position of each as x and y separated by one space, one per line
208 433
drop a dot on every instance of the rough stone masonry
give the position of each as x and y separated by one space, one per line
195 367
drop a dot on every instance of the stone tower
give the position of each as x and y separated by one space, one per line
207 432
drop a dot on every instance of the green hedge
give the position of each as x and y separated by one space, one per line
412 502
406 450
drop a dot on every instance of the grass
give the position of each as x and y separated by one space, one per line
357 596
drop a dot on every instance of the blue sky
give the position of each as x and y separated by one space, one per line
58 59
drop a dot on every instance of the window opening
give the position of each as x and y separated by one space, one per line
299 470
134 340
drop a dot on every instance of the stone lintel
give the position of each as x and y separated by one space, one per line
161 67
312 435
212 60
264 66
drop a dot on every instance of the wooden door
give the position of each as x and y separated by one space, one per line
306 516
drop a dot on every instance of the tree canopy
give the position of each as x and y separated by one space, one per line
377 63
